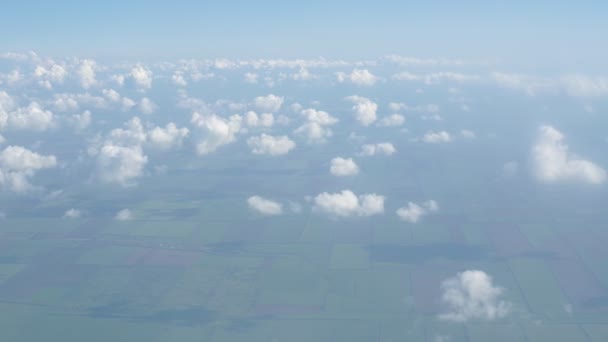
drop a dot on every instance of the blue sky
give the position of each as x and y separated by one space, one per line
564 34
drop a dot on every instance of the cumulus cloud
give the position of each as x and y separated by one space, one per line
32 117
384 148
414 212
80 121
142 77
270 145
316 129
364 108
18 164
124 215
178 79
553 161
435 77
392 120
217 131
472 295
47 76
468 134
167 137
146 106
346 203
343 167
86 73
360 77
270 103
252 119
264 206
72 213
437 137
251 77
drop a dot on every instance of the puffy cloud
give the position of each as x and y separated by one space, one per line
437 137
72 213
584 86
428 108
167 137
270 103
315 129
361 77
264 206
32 117
346 203
7 104
217 131
553 161
17 164
146 106
142 77
121 164
251 77
86 73
414 212
343 167
124 215
54 74
380 148
80 121
267 144
178 79
392 120
364 108
263 120
472 295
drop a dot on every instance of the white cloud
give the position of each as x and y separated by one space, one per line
54 74
80 121
86 73
17 164
264 206
315 129
142 77
585 86
437 137
270 103
263 120
217 131
178 79
343 167
554 162
121 164
435 77
414 212
251 77
472 295
267 144
32 117
124 215
380 148
364 108
392 121
361 77
146 106
167 137
346 203
72 213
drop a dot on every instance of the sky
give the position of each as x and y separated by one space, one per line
429 171
560 33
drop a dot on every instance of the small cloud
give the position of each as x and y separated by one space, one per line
554 162
437 137
385 148
346 204
472 295
270 145
72 213
124 215
264 206
343 167
414 212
